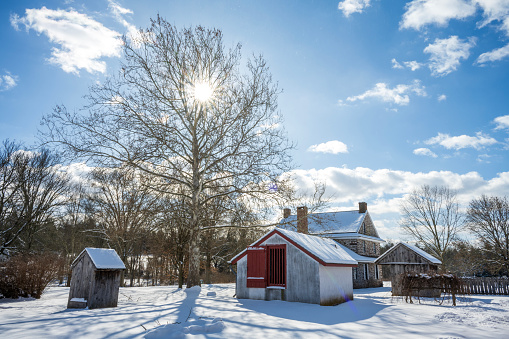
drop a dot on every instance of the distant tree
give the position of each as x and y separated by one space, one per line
385 247
488 218
431 215
464 259
32 190
124 208
185 111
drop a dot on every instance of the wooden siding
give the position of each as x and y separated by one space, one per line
98 287
402 254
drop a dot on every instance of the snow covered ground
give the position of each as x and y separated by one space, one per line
212 312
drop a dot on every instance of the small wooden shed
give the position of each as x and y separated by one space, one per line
403 257
95 279
292 266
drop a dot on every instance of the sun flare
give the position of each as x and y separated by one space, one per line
203 91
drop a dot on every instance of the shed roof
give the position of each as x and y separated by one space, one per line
416 249
339 222
325 251
103 258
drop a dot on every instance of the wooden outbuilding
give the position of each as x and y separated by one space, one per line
95 279
292 266
404 258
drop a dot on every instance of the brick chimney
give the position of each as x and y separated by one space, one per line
286 212
302 219
363 207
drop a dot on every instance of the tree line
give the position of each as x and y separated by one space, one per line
432 216
43 210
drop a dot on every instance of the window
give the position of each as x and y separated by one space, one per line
374 248
276 265
366 272
355 273
377 277
364 246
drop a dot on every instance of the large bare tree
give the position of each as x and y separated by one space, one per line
488 218
431 215
184 110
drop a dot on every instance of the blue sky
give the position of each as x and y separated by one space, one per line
380 96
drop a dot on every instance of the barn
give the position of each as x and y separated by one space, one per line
404 257
292 266
95 279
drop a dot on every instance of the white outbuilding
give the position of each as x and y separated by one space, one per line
293 266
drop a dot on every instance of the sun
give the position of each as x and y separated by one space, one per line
203 91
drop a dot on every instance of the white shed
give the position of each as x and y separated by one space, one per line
292 266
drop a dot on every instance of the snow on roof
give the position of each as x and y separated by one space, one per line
326 250
416 249
350 236
103 258
358 257
339 222
423 253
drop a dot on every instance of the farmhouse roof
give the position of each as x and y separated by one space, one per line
416 249
337 222
325 251
103 258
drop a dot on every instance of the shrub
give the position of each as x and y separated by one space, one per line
27 275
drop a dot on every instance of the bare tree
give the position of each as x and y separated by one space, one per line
430 214
184 110
32 190
124 208
488 218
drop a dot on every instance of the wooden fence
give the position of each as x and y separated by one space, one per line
486 285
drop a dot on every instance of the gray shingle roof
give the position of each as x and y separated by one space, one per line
339 222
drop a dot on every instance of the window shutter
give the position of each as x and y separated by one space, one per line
256 263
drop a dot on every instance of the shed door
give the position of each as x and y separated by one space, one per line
256 269
276 262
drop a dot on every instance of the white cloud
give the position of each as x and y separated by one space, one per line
494 55
353 6
424 151
396 64
420 13
502 122
80 41
398 95
332 147
442 97
413 65
462 141
494 10
118 12
8 81
359 184
446 54
384 189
